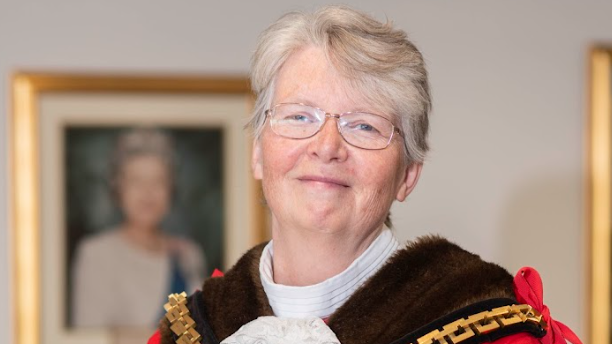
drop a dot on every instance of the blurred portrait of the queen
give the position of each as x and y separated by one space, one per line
122 274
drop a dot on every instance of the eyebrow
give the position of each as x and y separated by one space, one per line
305 102
299 100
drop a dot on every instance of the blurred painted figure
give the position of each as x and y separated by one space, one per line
122 275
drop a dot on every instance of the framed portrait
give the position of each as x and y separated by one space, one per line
600 194
124 189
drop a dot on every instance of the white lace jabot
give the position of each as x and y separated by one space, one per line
273 330
322 299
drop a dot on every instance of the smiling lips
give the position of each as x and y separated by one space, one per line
326 181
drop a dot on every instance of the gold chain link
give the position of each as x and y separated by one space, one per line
180 321
453 333
482 323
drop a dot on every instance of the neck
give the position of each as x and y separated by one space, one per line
149 239
307 257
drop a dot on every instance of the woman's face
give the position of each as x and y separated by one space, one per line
144 190
322 183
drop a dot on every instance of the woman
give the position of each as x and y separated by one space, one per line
122 273
340 124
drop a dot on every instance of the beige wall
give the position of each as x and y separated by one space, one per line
505 177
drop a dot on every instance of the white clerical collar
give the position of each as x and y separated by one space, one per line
322 299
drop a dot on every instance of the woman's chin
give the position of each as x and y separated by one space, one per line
325 222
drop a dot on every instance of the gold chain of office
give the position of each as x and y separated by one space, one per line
180 322
482 323
453 333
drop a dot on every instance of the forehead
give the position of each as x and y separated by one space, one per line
309 77
143 161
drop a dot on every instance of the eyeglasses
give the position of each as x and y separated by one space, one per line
360 129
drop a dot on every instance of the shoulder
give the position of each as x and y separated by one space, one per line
436 248
242 276
450 265
190 257
183 246
100 243
437 254
238 297
431 277
226 303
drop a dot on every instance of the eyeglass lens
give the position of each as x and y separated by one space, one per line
359 129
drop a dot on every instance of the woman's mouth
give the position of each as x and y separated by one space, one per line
325 181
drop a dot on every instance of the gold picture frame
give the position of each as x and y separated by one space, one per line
246 227
600 192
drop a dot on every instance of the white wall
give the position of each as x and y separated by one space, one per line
506 174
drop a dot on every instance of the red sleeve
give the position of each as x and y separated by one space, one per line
155 338
529 289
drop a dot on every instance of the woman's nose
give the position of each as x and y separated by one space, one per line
328 144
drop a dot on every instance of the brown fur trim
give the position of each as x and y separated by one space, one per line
430 278
238 297
165 332
232 300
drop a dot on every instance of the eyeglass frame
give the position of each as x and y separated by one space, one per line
395 129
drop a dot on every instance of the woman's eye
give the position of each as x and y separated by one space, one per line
365 127
297 117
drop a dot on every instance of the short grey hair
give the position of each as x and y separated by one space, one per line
374 57
138 142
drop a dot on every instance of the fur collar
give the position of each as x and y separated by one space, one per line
429 278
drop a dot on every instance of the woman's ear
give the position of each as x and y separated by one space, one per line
409 181
256 160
